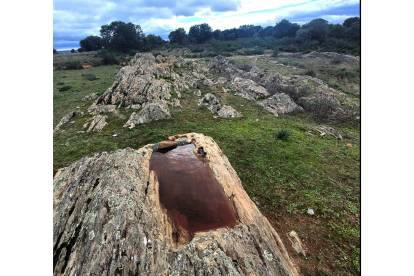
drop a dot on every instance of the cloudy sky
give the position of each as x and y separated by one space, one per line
73 20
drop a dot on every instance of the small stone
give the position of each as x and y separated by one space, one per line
257 120
115 135
310 211
349 145
80 132
71 122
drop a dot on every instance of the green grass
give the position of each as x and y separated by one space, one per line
66 101
284 178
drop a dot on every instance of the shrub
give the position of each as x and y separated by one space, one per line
108 58
283 134
90 77
73 65
60 83
65 88
73 51
245 67
275 51
310 73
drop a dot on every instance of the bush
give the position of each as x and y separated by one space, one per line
283 134
245 67
65 88
90 77
73 51
310 73
60 83
275 51
73 65
108 58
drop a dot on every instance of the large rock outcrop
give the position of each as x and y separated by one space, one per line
108 220
280 104
213 104
144 81
219 64
248 88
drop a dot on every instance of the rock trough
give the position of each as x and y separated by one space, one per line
113 215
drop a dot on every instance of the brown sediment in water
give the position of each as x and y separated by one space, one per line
188 190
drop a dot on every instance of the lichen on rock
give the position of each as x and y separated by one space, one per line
108 220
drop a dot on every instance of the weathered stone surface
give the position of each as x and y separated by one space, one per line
174 102
95 109
296 243
136 106
167 144
98 123
324 130
208 82
90 97
248 88
150 112
159 59
144 81
197 93
220 64
64 120
280 104
108 220
228 112
255 72
221 81
211 102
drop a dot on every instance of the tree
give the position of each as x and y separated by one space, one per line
91 43
316 29
121 36
73 51
54 51
285 28
354 31
177 36
337 31
201 32
268 31
349 21
80 50
217 34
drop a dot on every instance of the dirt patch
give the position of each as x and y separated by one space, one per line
86 65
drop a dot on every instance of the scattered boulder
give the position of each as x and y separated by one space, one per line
136 106
208 82
280 104
228 112
211 102
98 123
220 64
221 81
159 59
256 73
149 113
107 220
296 243
197 93
323 130
90 97
64 120
310 211
249 88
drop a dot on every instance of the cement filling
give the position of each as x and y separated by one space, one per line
188 190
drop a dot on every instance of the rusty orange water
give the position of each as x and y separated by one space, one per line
188 190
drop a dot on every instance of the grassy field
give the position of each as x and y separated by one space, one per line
284 178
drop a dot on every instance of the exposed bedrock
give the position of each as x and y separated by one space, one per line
108 219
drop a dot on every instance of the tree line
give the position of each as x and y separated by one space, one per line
284 35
